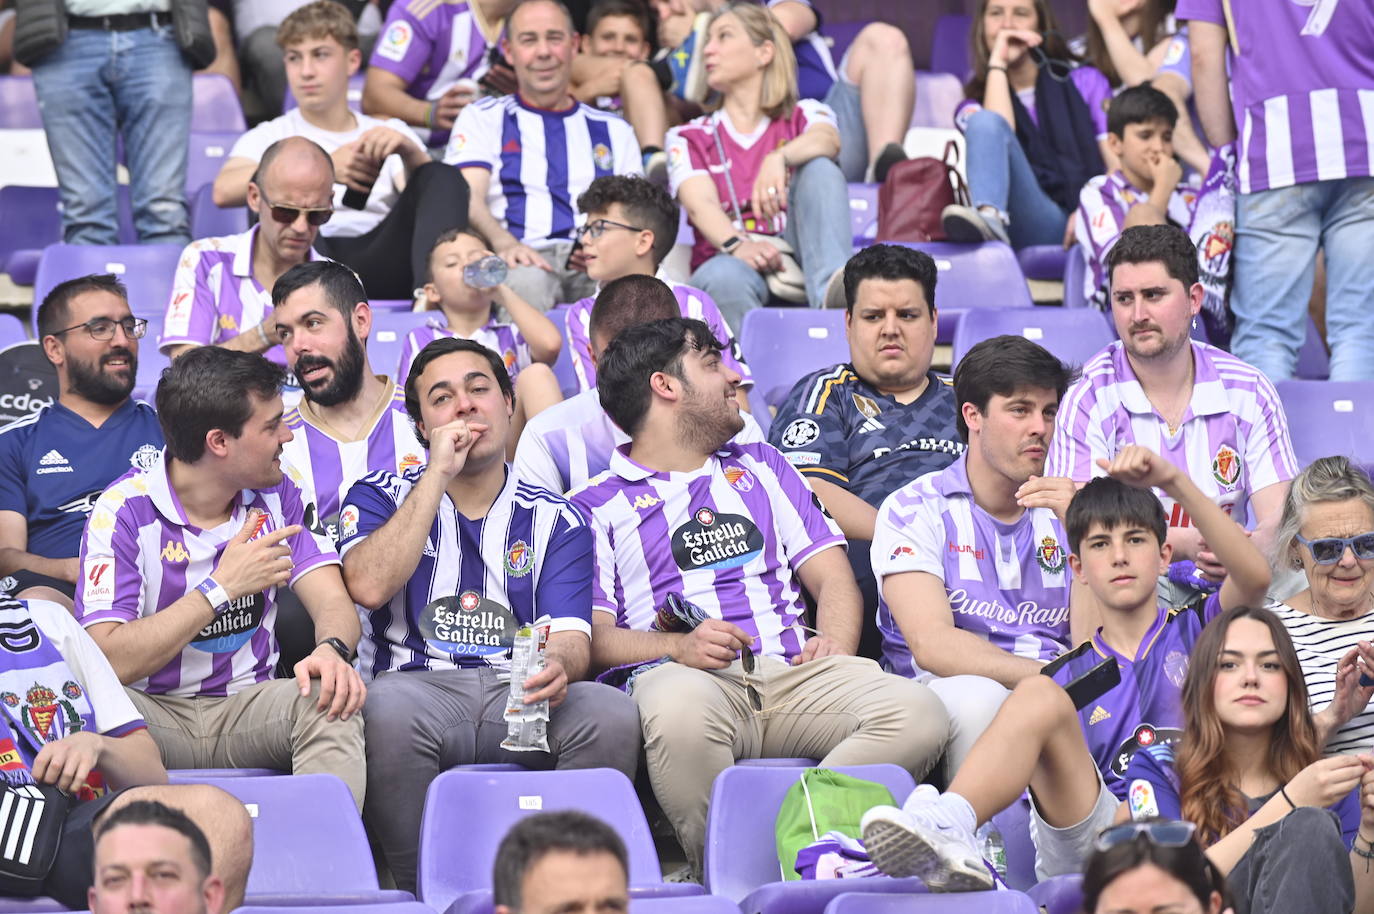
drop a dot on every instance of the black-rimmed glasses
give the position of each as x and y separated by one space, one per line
598 228
102 328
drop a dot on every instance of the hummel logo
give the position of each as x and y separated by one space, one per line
1098 716
52 458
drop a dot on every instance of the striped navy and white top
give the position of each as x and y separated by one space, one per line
1321 643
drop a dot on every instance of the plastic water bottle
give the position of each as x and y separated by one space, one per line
487 273
993 848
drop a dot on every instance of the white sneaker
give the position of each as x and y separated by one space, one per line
926 841
966 225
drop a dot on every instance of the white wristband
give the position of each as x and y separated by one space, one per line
219 599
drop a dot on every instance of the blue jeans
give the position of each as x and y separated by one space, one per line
1277 236
1000 175
843 99
817 229
98 84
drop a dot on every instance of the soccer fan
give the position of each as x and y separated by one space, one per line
528 342
971 561
1207 412
529 155
1305 148
180 567
221 294
350 421
55 463
430 554
702 548
560 861
72 726
152 858
425 66
106 71
631 226
571 442
1145 190
390 199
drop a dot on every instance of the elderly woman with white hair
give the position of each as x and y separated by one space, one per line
1327 531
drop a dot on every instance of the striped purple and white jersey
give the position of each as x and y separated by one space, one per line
505 340
325 464
728 537
477 580
1302 87
1103 204
570 442
214 294
1006 583
1233 440
541 161
692 302
140 554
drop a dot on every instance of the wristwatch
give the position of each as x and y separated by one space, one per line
729 245
347 655
219 600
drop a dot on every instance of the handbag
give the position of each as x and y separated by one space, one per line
788 282
32 817
916 192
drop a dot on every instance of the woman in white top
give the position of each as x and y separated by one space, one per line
1327 530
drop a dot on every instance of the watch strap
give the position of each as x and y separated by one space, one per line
341 648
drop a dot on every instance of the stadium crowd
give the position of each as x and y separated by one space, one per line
1106 585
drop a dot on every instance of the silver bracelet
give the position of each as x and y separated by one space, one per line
266 343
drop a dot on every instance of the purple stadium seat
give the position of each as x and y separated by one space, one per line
937 95
389 329
19 104
863 213
1075 269
741 853
208 151
1330 418
11 330
782 345
1313 362
1014 824
949 46
490 766
840 35
391 304
396 907
481 903
33 220
210 775
859 902
1071 335
308 841
215 105
778 762
40 905
473 810
976 275
1059 894
1043 261
209 220
146 269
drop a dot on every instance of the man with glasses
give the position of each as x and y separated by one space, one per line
55 463
703 546
447 560
222 293
528 156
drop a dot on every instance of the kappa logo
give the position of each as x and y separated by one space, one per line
175 552
1226 466
646 501
228 322
1099 715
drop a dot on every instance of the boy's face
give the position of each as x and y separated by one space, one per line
317 70
446 263
1121 565
1142 147
618 36
619 251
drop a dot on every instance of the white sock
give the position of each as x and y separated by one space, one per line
960 810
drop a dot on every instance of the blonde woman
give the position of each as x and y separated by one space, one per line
760 166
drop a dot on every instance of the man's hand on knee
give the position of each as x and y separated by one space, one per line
342 691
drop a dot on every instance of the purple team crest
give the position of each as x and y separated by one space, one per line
1226 466
519 559
1050 555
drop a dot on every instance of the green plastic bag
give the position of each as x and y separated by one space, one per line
822 800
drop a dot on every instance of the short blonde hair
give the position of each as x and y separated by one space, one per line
780 76
321 19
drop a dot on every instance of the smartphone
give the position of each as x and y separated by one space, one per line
1092 685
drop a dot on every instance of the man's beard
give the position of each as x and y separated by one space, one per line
347 374
91 381
704 428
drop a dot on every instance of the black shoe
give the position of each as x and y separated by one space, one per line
891 154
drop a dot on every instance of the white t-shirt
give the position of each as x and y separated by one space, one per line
347 222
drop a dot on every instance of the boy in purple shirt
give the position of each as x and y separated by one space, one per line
1075 774
971 560
1297 104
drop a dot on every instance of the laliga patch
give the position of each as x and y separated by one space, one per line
1144 737
97 580
348 521
396 41
800 433
1141 799
233 627
468 625
1175 52
601 155
901 551
711 540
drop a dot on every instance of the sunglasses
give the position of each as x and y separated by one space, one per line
287 215
746 662
1160 834
1329 549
